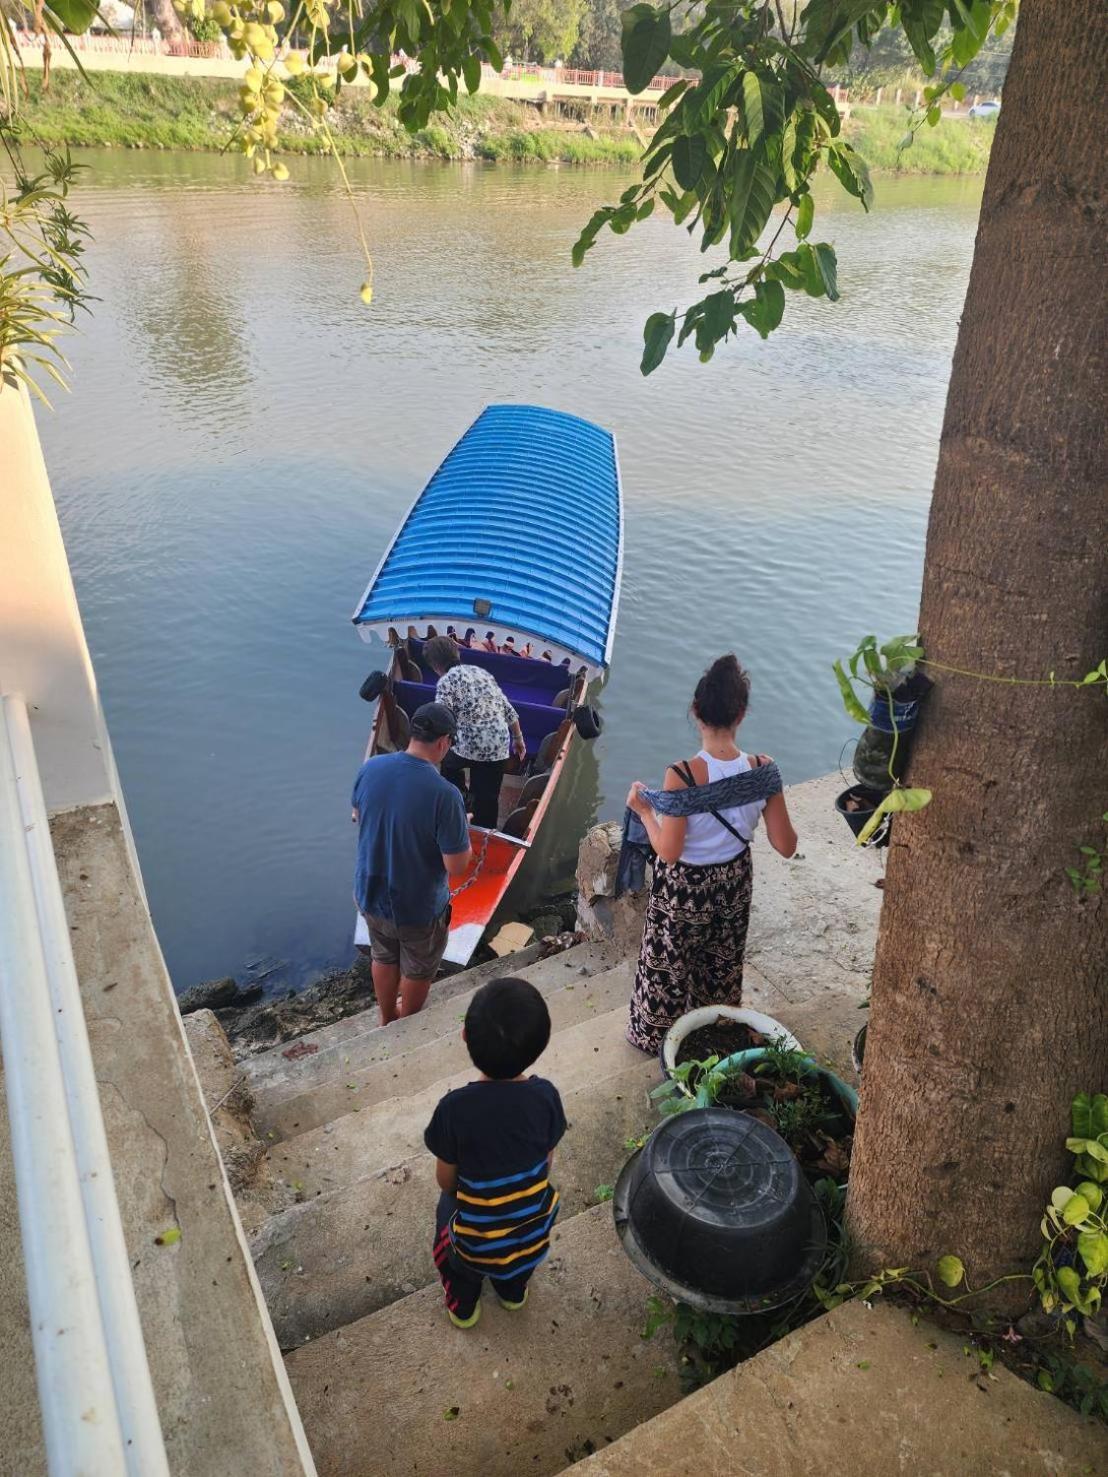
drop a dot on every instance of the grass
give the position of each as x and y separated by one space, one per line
122 110
954 146
119 110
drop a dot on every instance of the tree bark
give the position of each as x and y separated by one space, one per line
167 20
990 987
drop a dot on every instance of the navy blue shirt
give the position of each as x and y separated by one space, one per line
500 1135
408 817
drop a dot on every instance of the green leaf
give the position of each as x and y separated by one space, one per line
1075 1210
689 155
1089 1115
921 20
854 708
951 1271
645 42
671 94
1045 1382
168 1238
852 172
75 15
826 262
471 71
1090 1147
788 153
770 300
805 211
1092 1193
752 107
656 340
1092 1247
894 801
751 202
1069 1283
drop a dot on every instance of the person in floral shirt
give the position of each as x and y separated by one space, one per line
488 727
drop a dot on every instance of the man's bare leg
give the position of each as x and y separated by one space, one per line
386 981
413 995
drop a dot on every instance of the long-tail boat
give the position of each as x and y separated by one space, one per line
514 548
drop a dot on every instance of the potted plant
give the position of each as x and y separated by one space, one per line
896 688
809 1106
718 1031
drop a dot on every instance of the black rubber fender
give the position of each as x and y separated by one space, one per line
373 686
588 722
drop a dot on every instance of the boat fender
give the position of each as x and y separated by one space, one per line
588 722
562 700
373 686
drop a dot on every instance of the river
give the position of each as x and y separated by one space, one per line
243 436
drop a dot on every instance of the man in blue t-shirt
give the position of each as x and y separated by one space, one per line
412 835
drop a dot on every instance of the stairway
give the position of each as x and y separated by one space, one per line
384 1384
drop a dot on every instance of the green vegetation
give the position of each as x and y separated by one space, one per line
120 110
955 146
117 110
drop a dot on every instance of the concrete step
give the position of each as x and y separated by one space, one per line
339 1256
353 1146
296 1068
861 1390
411 1068
403 1392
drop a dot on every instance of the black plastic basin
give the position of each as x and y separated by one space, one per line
715 1210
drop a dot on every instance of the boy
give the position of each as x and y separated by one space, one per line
494 1141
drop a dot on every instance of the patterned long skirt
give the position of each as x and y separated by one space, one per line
693 944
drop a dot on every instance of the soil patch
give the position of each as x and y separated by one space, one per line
722 1038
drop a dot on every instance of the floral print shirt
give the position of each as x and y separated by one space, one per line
483 714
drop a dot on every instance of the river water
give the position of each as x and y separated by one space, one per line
243 436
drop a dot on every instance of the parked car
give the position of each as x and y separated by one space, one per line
984 110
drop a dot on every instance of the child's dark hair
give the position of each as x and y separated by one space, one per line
722 694
507 1027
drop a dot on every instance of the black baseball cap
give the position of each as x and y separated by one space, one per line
433 721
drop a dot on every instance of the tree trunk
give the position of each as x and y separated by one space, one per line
990 988
167 20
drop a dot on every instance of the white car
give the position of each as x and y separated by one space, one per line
984 110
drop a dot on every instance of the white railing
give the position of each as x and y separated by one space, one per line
96 1397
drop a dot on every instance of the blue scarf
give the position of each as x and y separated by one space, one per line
737 789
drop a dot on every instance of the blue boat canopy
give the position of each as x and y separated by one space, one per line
519 532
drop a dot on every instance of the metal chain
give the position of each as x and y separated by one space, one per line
477 869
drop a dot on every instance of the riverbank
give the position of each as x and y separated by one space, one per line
115 110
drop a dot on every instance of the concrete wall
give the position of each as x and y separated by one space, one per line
223 1397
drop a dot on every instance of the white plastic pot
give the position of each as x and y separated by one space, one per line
707 1015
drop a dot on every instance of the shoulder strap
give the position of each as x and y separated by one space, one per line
684 772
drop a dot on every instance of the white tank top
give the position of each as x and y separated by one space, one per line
706 841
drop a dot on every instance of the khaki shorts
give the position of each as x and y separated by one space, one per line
418 948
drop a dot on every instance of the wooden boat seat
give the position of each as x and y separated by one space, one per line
517 823
533 789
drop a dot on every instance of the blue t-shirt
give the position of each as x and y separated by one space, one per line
408 816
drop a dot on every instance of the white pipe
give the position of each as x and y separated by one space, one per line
121 1358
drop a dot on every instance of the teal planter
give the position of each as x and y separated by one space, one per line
744 1059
